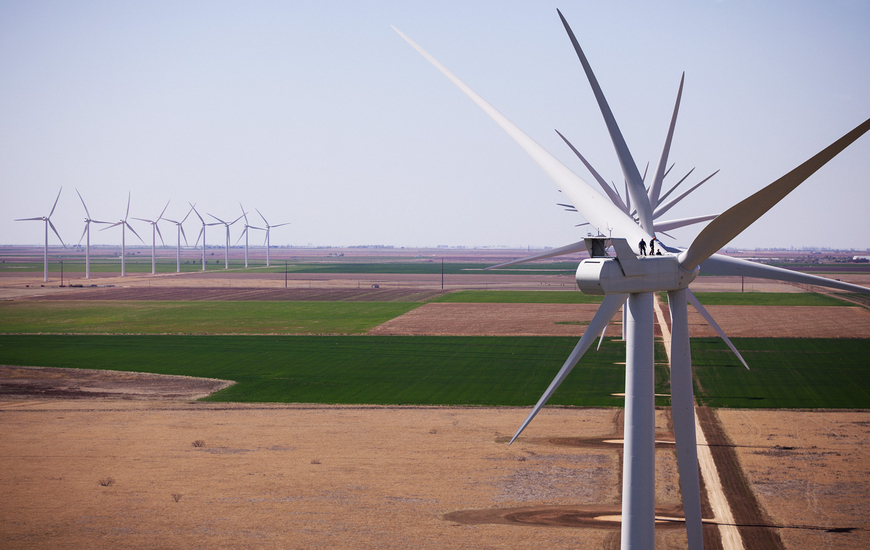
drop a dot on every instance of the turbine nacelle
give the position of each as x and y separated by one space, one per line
603 276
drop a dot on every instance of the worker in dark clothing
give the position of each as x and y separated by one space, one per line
652 246
642 246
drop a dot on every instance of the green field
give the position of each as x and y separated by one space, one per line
786 373
349 369
520 297
141 317
767 299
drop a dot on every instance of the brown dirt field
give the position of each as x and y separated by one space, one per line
196 294
783 322
125 474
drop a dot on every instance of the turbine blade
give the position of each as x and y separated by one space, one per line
674 188
264 217
245 214
181 227
709 318
740 216
193 207
659 211
112 225
245 230
280 224
83 234
656 187
218 219
683 416
163 212
55 202
614 197
601 336
592 205
579 246
609 306
201 231
629 167
56 233
157 227
30 220
184 219
88 214
717 264
134 231
128 207
682 222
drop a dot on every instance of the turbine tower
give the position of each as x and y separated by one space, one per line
87 231
268 231
155 231
124 225
631 278
47 220
227 248
180 233
201 233
245 234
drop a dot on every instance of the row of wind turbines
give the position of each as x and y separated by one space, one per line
155 232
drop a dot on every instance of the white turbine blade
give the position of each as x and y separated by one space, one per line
718 264
659 211
656 187
144 220
40 219
201 231
218 219
261 214
193 207
683 416
609 306
244 214
740 216
157 227
674 188
629 168
280 224
112 225
710 321
55 203
128 206
83 234
235 220
591 204
181 227
160 217
614 197
56 233
134 231
682 222
601 336
88 214
245 230
184 219
579 246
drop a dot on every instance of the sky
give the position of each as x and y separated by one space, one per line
320 115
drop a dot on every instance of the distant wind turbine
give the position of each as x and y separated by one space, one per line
201 233
87 231
245 233
155 230
124 225
268 231
227 248
47 220
180 231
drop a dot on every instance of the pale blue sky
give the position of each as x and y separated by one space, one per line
319 114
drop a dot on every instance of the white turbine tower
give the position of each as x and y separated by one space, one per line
245 233
268 231
180 233
632 279
87 231
124 225
227 248
155 231
47 220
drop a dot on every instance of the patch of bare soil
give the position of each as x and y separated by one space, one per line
809 471
783 322
496 320
40 382
196 294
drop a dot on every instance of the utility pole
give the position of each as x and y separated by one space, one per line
61 274
285 273
442 273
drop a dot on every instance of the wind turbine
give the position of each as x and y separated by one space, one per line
154 232
245 234
124 225
201 233
180 231
87 231
47 220
268 230
227 249
632 279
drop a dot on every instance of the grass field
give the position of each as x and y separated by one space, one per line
135 317
766 299
786 373
350 369
519 297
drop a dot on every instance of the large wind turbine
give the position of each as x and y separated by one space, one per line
632 279
201 233
87 231
227 248
124 225
245 234
268 231
47 220
155 231
180 233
